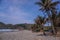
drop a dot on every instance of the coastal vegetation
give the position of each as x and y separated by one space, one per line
50 12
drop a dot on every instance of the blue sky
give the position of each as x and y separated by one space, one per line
18 11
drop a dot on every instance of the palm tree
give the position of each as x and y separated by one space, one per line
40 21
58 19
49 7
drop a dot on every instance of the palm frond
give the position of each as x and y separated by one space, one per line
55 3
39 3
53 8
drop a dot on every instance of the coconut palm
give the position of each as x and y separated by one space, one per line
40 21
49 7
58 19
55 20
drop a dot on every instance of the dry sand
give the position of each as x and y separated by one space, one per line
25 35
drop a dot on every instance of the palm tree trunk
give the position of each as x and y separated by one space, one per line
53 28
43 30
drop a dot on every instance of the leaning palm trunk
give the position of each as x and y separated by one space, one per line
54 32
53 28
54 21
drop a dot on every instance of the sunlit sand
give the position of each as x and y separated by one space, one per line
25 35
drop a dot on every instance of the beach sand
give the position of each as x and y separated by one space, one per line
25 35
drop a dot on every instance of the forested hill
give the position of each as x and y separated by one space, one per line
16 26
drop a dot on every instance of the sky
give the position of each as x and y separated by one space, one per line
18 11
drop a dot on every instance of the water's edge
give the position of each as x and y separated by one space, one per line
8 30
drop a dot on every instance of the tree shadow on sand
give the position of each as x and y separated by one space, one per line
58 35
0 38
43 35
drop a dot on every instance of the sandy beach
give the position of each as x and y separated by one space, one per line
25 35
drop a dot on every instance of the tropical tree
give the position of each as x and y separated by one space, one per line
58 20
39 22
50 8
